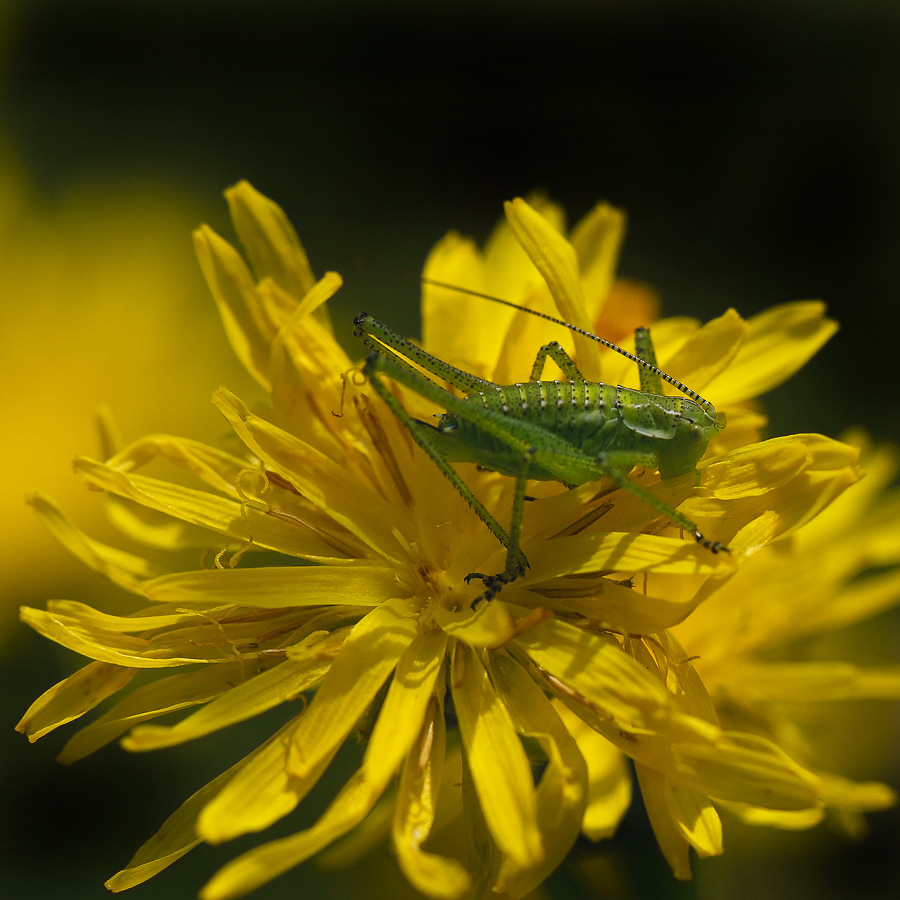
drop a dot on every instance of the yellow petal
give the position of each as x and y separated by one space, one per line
497 761
165 695
609 779
218 469
259 791
805 682
174 839
865 796
562 792
232 286
779 341
555 259
445 312
655 794
269 239
403 712
856 603
597 240
398 725
709 351
414 815
624 609
787 820
321 480
284 682
618 552
277 586
748 769
240 520
597 668
489 626
697 820
96 642
73 697
120 567
366 659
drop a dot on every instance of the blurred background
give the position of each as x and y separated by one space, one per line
754 144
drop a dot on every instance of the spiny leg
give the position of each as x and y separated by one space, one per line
617 464
429 439
377 337
516 563
643 349
560 357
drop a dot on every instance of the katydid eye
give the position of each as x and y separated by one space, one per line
695 432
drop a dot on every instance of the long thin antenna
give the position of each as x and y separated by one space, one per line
609 344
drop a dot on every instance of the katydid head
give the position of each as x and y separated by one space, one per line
693 432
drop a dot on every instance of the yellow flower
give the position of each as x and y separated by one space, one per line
357 607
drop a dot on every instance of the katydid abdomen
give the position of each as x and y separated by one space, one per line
582 422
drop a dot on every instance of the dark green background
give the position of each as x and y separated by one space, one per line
755 145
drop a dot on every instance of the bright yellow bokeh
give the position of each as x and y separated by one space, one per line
103 303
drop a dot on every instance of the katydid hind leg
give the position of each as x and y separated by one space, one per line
429 439
562 359
643 349
616 472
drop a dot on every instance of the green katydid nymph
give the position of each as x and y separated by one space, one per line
573 431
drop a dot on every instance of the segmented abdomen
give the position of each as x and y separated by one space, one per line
594 417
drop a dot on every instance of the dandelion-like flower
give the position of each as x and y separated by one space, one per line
508 723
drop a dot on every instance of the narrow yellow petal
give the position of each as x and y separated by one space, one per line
73 697
174 839
456 261
165 695
787 820
497 761
124 569
232 286
619 552
655 794
562 792
366 659
554 257
218 469
259 791
104 645
805 682
240 520
865 796
856 602
414 815
748 769
321 480
490 625
401 717
284 682
277 586
598 669
697 820
609 778
597 241
269 239
625 609
779 341
707 352
398 725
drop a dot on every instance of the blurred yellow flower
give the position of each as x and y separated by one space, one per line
504 725
102 306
